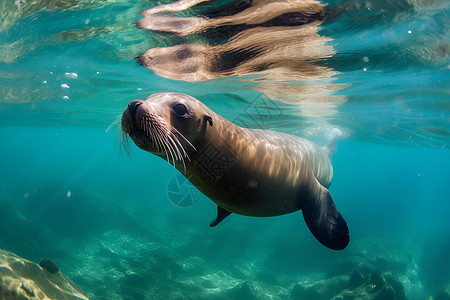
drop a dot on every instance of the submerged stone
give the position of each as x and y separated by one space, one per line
49 265
372 285
298 291
356 279
363 284
396 285
26 280
377 281
386 293
245 290
444 294
324 289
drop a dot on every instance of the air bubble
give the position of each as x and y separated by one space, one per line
71 75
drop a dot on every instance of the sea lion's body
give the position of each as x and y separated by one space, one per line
245 171
257 172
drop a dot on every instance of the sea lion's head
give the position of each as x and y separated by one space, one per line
166 124
188 62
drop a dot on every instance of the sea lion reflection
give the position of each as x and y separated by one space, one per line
276 41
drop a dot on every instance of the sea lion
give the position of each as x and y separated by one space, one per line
251 172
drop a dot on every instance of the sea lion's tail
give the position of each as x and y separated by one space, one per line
334 135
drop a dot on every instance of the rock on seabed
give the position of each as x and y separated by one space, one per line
21 279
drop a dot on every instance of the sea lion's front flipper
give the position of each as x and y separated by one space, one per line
324 220
221 214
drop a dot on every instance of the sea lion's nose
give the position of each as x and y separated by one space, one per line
140 59
132 108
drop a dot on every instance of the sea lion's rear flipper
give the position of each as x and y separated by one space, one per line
324 220
221 214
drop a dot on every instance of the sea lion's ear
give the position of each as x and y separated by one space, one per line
208 119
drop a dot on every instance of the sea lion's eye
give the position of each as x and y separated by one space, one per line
180 110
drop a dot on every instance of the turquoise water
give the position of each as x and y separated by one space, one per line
67 71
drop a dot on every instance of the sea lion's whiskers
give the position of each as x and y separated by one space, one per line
149 131
125 145
157 132
172 140
156 140
174 150
169 141
160 143
165 140
121 137
176 144
162 136
185 139
114 124
172 155
150 128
